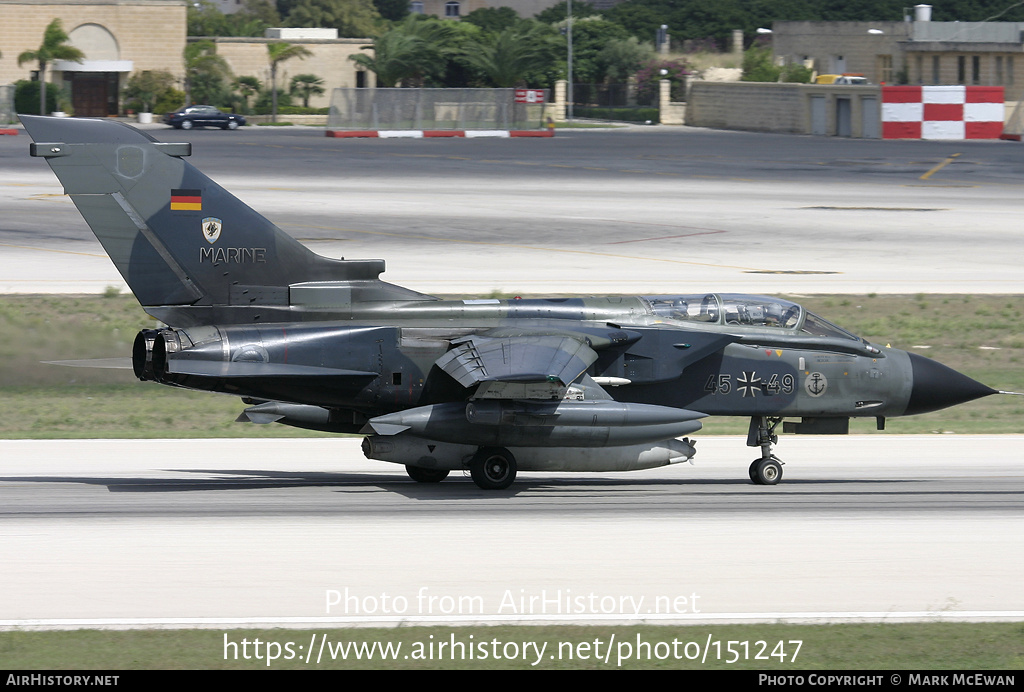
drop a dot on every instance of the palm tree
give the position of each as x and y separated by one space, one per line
306 85
246 86
506 57
396 56
278 52
407 51
53 48
204 69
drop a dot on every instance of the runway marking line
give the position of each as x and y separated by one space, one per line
60 252
926 176
529 247
667 237
945 162
401 620
938 186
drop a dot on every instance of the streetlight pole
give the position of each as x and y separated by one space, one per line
568 93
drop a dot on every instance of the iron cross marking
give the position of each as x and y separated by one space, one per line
749 384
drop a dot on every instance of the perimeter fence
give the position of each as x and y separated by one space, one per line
614 102
7 104
433 109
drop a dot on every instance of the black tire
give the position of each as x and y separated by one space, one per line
231 125
422 475
186 125
493 468
769 472
752 471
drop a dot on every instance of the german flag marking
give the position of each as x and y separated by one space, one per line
186 200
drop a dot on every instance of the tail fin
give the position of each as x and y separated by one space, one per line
180 239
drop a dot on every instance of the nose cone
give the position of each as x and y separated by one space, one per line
936 387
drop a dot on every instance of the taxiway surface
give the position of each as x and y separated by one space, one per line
215 532
649 211
262 532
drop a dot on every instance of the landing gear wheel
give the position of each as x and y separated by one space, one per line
422 475
493 468
766 471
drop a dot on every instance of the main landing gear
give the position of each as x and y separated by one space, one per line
768 469
493 468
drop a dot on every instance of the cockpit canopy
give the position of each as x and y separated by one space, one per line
743 310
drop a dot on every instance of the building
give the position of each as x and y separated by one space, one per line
454 9
914 51
122 37
873 49
329 59
118 37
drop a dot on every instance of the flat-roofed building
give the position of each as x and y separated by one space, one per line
915 51
118 37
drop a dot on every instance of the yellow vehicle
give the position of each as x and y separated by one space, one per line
845 78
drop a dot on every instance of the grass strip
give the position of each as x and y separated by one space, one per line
779 647
980 336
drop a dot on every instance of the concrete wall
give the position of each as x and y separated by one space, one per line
6 104
759 106
997 66
784 108
330 61
313 120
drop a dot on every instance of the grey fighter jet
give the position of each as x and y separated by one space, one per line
492 386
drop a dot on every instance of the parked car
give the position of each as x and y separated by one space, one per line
203 116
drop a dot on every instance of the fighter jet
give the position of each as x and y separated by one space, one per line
489 386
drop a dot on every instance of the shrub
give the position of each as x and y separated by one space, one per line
636 115
170 101
145 88
758 65
26 98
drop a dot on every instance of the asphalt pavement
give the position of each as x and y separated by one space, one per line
649 210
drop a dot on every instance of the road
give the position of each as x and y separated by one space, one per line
646 210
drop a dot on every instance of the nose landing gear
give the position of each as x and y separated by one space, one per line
768 469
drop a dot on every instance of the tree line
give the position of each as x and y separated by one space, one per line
490 47
697 22
209 80
496 47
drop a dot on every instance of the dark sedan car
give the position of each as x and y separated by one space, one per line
203 116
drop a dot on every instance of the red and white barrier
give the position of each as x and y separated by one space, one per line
942 112
417 134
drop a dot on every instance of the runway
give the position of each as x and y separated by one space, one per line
308 533
646 211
